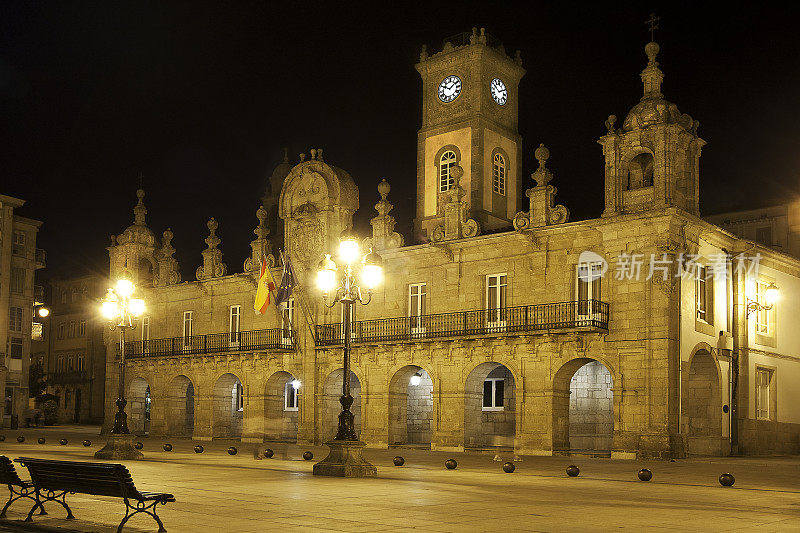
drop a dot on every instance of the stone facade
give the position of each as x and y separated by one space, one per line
474 341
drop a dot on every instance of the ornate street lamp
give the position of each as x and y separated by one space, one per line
120 308
771 295
345 458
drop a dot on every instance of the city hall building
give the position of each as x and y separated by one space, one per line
505 325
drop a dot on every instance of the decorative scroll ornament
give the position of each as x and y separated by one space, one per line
213 267
168 270
383 234
456 224
541 211
261 245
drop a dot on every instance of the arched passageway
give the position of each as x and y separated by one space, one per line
180 407
281 407
490 407
410 407
332 391
228 407
702 406
138 408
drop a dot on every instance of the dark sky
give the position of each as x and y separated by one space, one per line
201 99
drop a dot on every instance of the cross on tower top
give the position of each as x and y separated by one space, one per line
652 23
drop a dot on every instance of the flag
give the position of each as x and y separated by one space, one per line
264 288
287 284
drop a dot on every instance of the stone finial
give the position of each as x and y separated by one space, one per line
168 271
456 225
383 234
610 123
474 37
285 154
302 157
166 246
261 245
652 75
541 211
482 38
313 152
113 240
213 267
423 54
518 57
319 154
140 210
261 230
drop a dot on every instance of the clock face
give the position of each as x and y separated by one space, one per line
449 89
499 91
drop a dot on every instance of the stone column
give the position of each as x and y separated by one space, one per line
254 415
203 407
447 431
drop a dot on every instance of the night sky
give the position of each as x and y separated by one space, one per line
202 98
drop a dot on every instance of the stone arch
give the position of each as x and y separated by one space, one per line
639 171
138 407
490 411
180 406
701 404
410 406
280 419
331 392
584 406
227 413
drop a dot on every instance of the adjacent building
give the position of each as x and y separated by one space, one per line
646 332
19 260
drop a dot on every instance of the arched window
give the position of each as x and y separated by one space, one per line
499 174
640 171
446 163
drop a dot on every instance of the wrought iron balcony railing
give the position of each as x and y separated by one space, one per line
241 341
582 315
68 376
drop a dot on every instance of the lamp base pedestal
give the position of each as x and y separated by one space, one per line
119 446
345 459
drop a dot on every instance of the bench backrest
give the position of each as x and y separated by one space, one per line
8 474
101 479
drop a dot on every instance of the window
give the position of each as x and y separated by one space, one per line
82 328
66 398
17 280
145 325
493 394
234 316
37 331
74 295
71 363
764 317
764 235
496 285
763 393
9 403
187 325
499 174
18 243
15 319
287 321
80 362
15 347
290 395
61 329
704 293
71 329
63 297
588 288
446 162
238 396
60 363
417 296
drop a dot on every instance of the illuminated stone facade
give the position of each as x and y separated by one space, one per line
486 333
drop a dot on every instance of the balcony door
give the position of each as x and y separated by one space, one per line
187 330
417 296
496 285
234 325
287 323
588 280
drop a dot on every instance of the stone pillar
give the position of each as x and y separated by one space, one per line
254 415
447 433
534 428
203 407
374 417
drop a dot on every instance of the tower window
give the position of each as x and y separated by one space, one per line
640 171
446 163
499 174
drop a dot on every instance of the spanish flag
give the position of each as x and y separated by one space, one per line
264 288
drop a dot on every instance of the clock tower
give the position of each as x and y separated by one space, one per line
469 137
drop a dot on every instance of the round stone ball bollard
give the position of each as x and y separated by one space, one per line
198 449
398 461
268 453
21 438
727 479
508 467
573 471
41 440
450 464
168 447
645 474
138 445
308 455
63 442
232 450
87 443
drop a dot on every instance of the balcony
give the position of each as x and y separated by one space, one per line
67 377
215 343
584 315
40 260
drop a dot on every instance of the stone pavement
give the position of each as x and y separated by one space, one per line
218 492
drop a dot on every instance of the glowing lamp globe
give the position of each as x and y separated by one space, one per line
415 380
296 384
326 276
136 306
348 250
372 270
44 312
124 287
771 295
109 309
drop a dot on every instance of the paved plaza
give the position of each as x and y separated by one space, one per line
219 492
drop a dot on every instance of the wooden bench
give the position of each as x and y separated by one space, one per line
52 480
19 489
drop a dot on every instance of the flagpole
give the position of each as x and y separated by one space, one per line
300 299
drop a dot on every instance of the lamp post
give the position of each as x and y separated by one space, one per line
345 458
120 308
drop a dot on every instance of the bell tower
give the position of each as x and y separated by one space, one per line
469 136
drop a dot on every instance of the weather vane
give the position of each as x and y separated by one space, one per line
652 23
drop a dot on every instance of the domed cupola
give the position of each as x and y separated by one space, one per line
134 249
138 232
652 162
